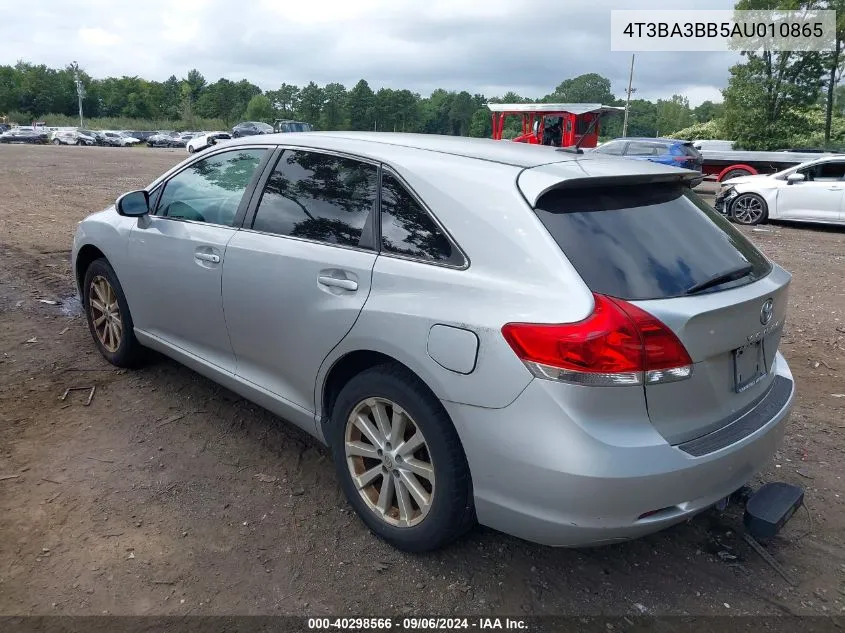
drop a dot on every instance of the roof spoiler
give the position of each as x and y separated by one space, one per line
534 183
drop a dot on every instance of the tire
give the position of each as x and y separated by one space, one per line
191 150
78 142
56 141
126 351
749 209
406 526
736 173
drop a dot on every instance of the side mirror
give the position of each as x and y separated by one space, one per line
133 204
792 179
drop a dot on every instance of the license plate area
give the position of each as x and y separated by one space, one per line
749 364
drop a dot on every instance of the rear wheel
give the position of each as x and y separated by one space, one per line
108 316
399 460
56 141
749 208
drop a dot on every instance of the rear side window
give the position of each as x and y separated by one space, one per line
613 148
319 197
646 241
406 228
638 148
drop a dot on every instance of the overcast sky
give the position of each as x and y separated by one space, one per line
486 46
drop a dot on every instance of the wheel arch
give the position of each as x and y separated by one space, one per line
86 256
350 364
751 171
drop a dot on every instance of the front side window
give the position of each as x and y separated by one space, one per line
406 228
825 172
210 190
318 197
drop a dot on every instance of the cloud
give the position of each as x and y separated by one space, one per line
483 46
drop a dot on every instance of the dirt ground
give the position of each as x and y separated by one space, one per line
148 501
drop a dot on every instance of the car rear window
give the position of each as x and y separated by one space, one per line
689 150
650 241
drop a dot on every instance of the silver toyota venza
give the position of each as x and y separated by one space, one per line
573 349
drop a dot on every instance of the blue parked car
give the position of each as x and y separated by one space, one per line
666 151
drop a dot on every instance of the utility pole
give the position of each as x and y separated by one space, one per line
628 100
80 89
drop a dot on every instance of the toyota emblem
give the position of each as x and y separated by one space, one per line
767 311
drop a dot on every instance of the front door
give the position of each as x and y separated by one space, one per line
296 278
176 254
818 198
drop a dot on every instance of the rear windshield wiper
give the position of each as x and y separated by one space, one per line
729 275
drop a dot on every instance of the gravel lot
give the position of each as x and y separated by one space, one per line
148 501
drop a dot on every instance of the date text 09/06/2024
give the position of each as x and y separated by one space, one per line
417 624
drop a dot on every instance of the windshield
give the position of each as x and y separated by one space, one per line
639 242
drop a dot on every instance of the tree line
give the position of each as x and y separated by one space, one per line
773 100
34 91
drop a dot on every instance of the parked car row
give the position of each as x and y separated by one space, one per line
253 128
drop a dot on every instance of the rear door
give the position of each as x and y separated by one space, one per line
298 274
662 248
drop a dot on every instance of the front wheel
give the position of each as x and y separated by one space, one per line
108 316
56 141
400 461
749 209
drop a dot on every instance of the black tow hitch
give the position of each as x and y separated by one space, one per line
768 509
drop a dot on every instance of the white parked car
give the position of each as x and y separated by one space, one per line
810 192
207 139
120 139
71 136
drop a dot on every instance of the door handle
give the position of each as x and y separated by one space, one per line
346 284
208 257
834 188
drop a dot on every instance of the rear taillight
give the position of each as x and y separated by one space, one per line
618 344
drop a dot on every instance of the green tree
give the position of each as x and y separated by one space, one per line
588 88
334 107
834 64
673 114
284 100
259 108
311 103
196 84
187 104
707 111
767 94
360 104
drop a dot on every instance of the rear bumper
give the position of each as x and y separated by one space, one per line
542 475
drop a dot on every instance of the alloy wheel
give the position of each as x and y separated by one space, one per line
747 210
389 461
105 313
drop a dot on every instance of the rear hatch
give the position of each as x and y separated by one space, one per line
686 156
658 246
